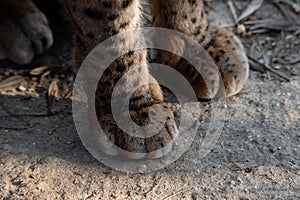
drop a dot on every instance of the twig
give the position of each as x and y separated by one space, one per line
227 25
177 193
154 187
270 69
233 11
253 66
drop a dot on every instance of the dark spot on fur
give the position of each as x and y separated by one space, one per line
206 28
91 35
112 17
145 115
120 69
103 98
93 14
194 20
192 2
217 59
107 4
126 3
108 83
222 52
130 53
198 31
114 32
203 38
123 25
107 72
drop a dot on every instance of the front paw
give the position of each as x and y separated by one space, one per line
135 144
25 36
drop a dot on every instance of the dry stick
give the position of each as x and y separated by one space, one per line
270 69
177 193
228 26
233 11
154 187
254 67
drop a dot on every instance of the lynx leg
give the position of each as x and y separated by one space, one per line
188 17
95 21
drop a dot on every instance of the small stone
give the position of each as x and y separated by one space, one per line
232 182
239 179
261 61
142 168
21 88
75 182
277 67
31 176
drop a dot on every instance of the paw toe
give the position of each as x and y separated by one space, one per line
38 31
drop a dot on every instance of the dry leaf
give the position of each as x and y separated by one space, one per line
53 89
43 79
282 25
38 71
251 8
12 81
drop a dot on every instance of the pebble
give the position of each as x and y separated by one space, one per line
142 168
40 188
31 176
75 182
277 67
240 179
21 88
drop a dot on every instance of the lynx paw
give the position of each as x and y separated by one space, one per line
138 145
24 36
229 55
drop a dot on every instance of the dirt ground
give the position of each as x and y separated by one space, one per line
256 157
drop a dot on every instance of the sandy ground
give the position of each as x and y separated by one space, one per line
256 157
